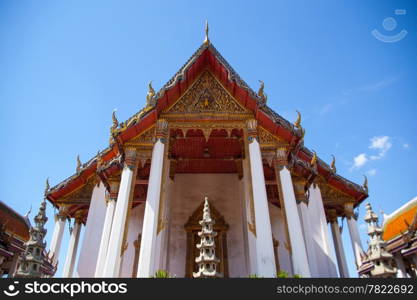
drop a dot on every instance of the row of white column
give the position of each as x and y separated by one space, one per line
55 248
298 222
108 261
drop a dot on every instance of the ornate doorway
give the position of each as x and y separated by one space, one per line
192 227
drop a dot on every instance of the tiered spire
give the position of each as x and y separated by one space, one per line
207 260
32 257
377 254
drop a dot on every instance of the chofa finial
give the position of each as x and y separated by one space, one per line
114 120
78 164
47 187
261 92
365 183
150 95
313 161
206 39
297 123
333 164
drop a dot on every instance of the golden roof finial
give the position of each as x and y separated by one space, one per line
206 39
297 123
303 133
365 183
150 95
78 164
47 187
115 121
313 161
261 93
333 164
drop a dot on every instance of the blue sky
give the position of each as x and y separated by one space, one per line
65 65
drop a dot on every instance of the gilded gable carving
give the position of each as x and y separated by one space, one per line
267 139
144 139
207 95
333 196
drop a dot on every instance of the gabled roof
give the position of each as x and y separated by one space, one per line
205 57
14 222
400 221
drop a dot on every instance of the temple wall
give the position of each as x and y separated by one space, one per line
278 232
187 193
92 234
135 228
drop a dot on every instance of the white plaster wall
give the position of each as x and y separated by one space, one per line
187 194
135 227
92 234
278 232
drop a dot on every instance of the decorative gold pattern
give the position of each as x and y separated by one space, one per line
266 139
146 138
332 196
82 195
206 95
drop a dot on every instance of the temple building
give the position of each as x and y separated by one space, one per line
21 242
206 133
398 235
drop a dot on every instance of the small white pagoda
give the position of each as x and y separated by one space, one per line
207 260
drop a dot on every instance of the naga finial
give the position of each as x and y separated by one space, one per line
303 133
313 161
297 123
365 183
78 164
261 93
47 187
150 95
115 121
333 164
206 38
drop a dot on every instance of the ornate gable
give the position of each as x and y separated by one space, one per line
207 95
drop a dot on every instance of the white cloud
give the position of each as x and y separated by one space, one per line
382 144
406 146
359 160
372 172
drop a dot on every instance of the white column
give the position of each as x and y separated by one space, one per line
308 239
354 233
112 262
150 219
105 236
72 249
60 220
298 248
248 218
338 244
264 244
319 214
401 271
303 210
